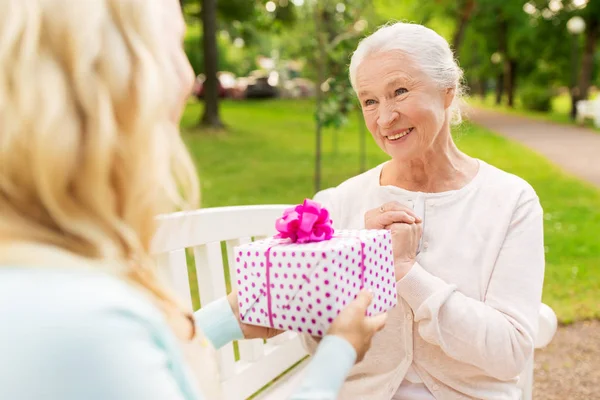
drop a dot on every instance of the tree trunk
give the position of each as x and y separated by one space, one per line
211 90
483 88
510 76
504 78
321 77
573 87
499 88
587 62
463 19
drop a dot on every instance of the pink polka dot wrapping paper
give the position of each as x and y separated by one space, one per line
306 285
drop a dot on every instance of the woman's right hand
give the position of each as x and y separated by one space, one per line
406 229
388 214
353 325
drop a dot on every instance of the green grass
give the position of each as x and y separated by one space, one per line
267 157
560 112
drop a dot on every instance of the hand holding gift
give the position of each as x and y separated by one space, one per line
352 324
302 279
355 327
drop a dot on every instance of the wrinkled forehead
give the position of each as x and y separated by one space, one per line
385 65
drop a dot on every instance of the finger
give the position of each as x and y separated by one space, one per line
392 217
362 301
376 323
419 228
397 227
395 206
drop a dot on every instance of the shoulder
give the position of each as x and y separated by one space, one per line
497 181
504 189
84 328
361 181
346 200
74 293
73 306
349 188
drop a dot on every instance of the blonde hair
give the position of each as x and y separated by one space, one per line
89 153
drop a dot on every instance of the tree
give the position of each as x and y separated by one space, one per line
463 16
450 18
591 15
338 27
564 46
243 19
501 32
211 117
321 74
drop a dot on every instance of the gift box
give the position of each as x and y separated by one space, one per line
301 279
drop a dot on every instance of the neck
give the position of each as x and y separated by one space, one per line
442 167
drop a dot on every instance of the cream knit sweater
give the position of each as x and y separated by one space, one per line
468 309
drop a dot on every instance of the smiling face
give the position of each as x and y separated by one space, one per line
403 108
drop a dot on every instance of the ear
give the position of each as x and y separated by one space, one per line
449 95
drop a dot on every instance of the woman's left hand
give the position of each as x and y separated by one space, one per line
405 242
250 331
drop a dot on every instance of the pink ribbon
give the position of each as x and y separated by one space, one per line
304 223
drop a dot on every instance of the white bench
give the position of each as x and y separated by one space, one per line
588 109
259 363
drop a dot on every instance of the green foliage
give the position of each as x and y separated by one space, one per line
230 57
267 157
536 98
237 19
339 103
193 48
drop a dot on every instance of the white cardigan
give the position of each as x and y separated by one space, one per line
468 309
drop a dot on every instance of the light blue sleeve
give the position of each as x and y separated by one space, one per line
327 370
217 322
114 355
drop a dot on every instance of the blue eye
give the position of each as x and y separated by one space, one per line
369 102
401 91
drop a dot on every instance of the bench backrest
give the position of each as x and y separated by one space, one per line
193 249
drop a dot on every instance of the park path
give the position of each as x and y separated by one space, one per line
575 149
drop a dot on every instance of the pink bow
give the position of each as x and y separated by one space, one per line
307 222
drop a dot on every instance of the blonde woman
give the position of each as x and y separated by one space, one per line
91 92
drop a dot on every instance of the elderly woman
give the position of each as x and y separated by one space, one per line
470 271
90 98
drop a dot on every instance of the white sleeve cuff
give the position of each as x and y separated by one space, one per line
419 285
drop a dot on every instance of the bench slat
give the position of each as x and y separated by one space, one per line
174 264
250 350
211 284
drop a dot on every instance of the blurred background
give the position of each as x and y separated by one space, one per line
273 119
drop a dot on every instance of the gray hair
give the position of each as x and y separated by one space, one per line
431 52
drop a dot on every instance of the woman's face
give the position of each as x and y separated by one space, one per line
174 34
403 108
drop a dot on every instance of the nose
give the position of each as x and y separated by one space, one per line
387 116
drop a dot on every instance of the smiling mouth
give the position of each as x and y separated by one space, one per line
400 135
